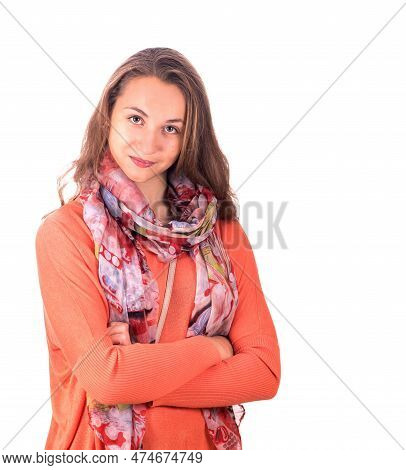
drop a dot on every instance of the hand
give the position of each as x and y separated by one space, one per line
118 331
224 346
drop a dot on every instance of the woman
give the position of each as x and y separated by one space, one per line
153 195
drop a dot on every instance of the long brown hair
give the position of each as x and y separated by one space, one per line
200 158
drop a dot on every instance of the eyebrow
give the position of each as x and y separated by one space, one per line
134 108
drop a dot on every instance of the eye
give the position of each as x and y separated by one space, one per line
177 131
172 127
137 117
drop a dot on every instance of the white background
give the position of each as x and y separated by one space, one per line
336 292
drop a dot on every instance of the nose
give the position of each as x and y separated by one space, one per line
147 142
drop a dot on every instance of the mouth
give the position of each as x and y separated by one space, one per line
141 162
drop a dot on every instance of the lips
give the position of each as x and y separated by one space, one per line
141 162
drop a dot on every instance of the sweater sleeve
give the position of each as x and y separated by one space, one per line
254 372
76 320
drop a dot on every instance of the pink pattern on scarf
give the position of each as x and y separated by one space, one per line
117 214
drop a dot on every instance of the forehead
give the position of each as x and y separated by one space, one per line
155 97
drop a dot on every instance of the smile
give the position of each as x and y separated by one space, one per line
140 162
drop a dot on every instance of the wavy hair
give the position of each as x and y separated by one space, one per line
200 158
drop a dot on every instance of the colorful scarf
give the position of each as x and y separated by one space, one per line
118 215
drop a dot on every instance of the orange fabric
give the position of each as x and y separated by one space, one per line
178 375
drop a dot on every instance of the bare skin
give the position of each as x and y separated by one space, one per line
118 331
147 121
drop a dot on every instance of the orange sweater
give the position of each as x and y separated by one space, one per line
178 375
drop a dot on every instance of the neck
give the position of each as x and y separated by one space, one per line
154 190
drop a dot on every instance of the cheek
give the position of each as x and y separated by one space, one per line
119 135
113 138
173 147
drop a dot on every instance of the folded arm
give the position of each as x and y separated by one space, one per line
254 372
76 320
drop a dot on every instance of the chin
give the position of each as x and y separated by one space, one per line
141 177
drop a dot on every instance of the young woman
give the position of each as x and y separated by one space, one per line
152 195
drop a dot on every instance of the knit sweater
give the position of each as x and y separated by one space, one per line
177 376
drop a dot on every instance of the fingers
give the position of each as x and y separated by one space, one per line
118 331
118 327
227 347
121 339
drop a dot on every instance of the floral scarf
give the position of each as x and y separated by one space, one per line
118 215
